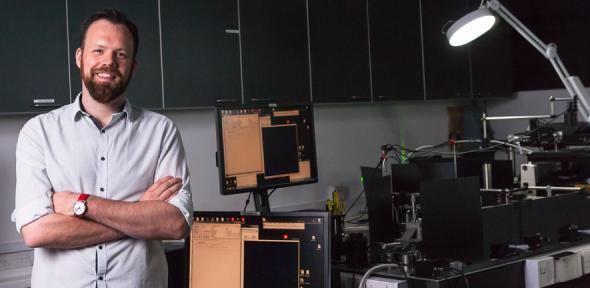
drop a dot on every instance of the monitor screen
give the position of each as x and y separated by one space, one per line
265 147
271 263
280 249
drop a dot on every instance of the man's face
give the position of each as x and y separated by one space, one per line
106 60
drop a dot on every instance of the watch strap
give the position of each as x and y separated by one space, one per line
83 197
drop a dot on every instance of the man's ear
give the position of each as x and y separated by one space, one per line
78 57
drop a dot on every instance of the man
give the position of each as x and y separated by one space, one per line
100 182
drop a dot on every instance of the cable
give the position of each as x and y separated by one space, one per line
363 191
273 191
460 273
419 149
430 148
247 202
377 267
358 218
354 202
492 147
529 151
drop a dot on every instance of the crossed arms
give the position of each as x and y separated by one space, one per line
149 218
106 220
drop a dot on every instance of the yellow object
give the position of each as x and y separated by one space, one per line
334 205
329 205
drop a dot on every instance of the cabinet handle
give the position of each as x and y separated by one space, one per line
358 97
384 97
483 94
259 99
232 31
221 101
45 103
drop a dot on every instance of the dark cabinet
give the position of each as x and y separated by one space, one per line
339 47
565 23
201 53
145 88
396 50
34 75
491 62
447 68
274 48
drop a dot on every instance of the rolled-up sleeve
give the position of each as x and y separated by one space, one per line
33 188
172 162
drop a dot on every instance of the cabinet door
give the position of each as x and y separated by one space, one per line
447 72
339 47
145 88
396 49
200 50
565 23
275 58
34 74
491 61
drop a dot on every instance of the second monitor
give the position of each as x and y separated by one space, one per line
265 147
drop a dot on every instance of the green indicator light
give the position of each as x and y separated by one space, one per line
403 154
402 138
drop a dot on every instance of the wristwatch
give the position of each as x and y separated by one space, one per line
80 206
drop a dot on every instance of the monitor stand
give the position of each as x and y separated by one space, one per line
261 200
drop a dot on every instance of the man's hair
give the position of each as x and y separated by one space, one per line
114 16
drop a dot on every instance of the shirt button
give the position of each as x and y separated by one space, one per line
100 247
102 158
100 278
102 131
101 189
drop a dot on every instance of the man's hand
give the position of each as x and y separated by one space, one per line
63 202
163 189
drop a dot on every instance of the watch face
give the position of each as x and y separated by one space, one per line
79 208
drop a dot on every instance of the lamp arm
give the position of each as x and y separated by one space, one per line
572 84
497 7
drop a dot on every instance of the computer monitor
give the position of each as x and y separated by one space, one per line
271 263
254 250
265 147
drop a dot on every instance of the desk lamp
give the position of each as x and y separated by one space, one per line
478 22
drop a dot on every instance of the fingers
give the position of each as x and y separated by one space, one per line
159 182
171 191
162 189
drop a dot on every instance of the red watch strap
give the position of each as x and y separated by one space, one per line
83 197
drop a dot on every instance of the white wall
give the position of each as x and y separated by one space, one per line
524 103
9 128
347 136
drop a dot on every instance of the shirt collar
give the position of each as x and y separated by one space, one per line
76 110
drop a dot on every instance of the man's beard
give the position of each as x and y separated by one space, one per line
104 92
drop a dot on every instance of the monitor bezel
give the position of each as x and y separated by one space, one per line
220 157
255 218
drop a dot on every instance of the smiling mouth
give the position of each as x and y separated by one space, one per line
104 76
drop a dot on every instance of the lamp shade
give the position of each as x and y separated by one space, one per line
470 26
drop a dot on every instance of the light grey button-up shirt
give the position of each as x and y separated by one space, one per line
65 150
